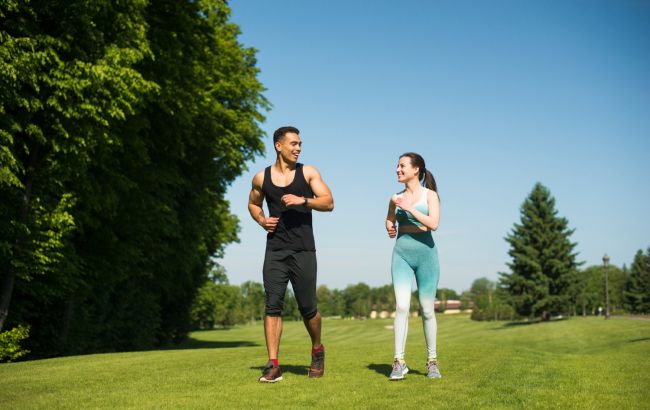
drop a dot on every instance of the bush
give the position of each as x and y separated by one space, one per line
498 312
10 343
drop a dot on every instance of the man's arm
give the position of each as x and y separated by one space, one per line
322 200
255 201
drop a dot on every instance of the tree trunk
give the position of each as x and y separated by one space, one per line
6 289
67 321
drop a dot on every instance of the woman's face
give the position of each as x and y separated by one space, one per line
405 170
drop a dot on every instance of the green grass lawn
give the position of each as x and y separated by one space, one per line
575 363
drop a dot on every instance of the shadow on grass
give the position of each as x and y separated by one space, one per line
288 368
191 343
529 322
643 339
385 369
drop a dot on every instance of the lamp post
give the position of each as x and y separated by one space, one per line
606 264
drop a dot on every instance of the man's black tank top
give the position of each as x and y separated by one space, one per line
294 230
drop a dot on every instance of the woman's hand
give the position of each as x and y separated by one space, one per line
390 228
404 203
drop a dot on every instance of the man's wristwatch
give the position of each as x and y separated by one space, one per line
305 203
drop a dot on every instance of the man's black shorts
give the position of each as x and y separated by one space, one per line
299 267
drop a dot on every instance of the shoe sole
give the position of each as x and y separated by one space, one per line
270 381
399 378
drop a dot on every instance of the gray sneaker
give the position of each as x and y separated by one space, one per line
432 370
399 370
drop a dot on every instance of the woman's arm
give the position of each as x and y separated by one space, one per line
391 226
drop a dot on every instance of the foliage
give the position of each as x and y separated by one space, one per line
589 289
357 300
121 126
254 300
489 301
543 260
10 348
290 311
444 294
330 302
637 292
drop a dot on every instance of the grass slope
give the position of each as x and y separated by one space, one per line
576 363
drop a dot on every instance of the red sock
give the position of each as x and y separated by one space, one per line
275 362
319 349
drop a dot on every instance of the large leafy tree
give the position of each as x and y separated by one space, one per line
169 110
637 293
66 75
543 259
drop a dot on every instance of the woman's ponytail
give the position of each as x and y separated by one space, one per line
429 181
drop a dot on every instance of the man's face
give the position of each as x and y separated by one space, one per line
289 147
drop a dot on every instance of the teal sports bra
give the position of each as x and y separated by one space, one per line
405 218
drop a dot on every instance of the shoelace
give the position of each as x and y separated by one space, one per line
316 360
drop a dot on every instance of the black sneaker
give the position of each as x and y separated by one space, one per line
317 367
271 374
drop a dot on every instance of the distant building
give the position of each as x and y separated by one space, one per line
450 307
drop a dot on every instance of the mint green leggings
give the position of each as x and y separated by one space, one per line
415 253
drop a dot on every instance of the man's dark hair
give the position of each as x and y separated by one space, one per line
282 131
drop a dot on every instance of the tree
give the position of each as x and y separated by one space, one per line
357 300
383 298
489 301
290 310
254 300
325 301
67 75
446 294
204 308
122 126
543 259
589 288
637 293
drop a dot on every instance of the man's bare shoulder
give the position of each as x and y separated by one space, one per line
258 179
310 171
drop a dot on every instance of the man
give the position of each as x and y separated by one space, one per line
292 190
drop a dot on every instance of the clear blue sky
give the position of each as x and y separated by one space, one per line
496 95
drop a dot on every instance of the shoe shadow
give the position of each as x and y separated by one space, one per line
385 369
288 368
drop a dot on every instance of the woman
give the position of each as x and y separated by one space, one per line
412 215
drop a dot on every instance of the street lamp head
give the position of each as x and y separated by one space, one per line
606 260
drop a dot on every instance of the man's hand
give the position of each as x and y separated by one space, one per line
292 200
269 224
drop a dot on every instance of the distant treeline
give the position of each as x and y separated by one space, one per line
220 304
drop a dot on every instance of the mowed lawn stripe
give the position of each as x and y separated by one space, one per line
575 363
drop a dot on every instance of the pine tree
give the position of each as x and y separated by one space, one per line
637 294
543 260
